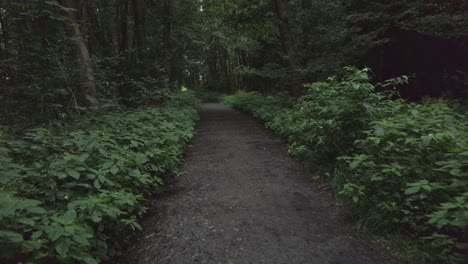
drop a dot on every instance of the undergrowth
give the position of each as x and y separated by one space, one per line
401 166
66 194
209 96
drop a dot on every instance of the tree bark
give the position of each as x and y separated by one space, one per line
287 41
82 18
5 37
306 6
87 82
139 26
167 39
98 38
122 7
285 33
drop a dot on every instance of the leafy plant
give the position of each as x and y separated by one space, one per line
275 111
401 166
412 167
65 194
333 114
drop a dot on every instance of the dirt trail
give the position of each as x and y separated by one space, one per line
241 200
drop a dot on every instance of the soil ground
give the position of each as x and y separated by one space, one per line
242 199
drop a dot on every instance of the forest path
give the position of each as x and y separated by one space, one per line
241 200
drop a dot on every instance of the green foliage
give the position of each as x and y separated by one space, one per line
430 17
333 114
409 171
275 111
242 48
64 194
401 166
209 96
35 74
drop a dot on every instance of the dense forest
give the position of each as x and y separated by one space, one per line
98 102
66 57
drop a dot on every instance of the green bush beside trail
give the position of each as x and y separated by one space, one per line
402 166
66 195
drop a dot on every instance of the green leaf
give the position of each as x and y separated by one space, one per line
81 240
36 210
426 187
96 218
29 203
426 140
379 131
107 164
70 229
69 216
61 247
26 221
12 236
375 178
135 225
55 232
90 260
114 169
455 172
73 173
97 184
412 190
36 235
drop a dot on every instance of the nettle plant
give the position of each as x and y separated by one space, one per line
65 194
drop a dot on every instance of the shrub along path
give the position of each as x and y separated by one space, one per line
242 199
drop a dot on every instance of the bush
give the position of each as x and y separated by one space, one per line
410 171
275 111
209 96
333 114
65 194
402 166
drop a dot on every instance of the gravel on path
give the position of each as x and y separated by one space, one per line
242 200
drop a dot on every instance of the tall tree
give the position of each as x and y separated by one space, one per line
139 26
5 37
288 45
167 39
87 82
285 32
122 22
306 6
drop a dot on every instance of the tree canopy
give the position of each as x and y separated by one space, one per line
69 56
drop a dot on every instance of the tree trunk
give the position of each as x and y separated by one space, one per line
98 38
139 27
87 83
306 6
285 33
122 7
167 39
287 41
82 18
5 37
